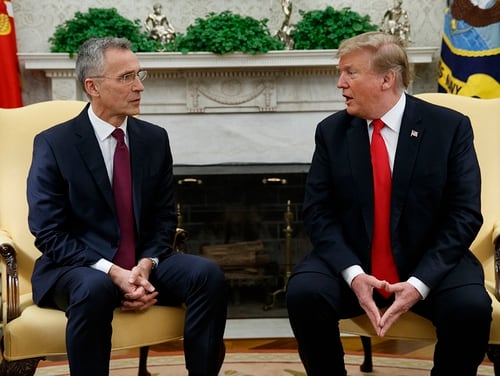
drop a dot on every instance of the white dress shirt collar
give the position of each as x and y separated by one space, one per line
394 116
102 128
392 119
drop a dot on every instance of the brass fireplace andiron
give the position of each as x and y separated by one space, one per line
288 216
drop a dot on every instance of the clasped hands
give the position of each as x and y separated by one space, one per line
138 292
405 296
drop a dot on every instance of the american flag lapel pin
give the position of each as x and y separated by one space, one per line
414 133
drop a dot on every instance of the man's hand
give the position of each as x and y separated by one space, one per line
138 292
406 296
139 275
363 285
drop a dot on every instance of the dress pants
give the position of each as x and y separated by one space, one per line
89 297
316 301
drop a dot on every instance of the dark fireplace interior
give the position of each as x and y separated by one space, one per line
248 219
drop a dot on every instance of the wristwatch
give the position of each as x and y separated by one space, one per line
154 261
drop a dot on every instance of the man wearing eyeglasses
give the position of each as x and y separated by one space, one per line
105 219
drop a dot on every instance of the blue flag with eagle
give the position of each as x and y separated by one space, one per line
470 51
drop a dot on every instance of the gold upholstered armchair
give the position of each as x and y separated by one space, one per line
485 118
31 333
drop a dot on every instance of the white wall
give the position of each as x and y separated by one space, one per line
36 20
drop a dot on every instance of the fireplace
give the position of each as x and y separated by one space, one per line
248 219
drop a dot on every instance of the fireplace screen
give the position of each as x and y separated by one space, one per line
251 224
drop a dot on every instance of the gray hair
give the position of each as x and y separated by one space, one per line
388 54
90 59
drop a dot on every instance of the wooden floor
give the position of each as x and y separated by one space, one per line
351 344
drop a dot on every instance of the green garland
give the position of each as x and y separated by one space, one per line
97 23
227 32
326 29
221 33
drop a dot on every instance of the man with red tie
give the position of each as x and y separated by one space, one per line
392 205
101 208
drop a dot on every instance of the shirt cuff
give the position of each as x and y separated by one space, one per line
421 287
351 272
103 265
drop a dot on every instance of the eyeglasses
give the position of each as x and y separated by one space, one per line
128 78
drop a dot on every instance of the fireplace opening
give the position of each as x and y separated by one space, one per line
248 219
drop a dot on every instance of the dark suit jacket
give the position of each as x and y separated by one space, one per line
435 211
71 209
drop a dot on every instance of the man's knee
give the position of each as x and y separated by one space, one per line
209 274
300 294
468 310
477 309
212 272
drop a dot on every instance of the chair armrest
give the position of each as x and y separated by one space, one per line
180 238
496 244
8 252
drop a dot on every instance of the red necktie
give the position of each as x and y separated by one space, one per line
122 192
383 265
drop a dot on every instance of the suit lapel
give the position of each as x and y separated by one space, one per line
138 149
359 155
91 154
410 136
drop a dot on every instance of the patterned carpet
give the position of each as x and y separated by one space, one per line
256 364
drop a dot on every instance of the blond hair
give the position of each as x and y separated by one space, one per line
387 54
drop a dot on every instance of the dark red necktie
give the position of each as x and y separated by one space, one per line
122 191
383 265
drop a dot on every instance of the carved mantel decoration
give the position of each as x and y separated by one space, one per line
226 90
277 81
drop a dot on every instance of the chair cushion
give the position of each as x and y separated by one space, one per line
40 332
414 327
409 326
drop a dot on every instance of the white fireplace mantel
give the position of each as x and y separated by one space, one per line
222 83
257 109
206 60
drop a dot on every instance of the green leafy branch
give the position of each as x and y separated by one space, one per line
326 29
227 32
97 23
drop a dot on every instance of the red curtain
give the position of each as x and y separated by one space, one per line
10 85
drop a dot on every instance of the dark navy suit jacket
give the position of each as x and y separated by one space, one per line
71 209
435 211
